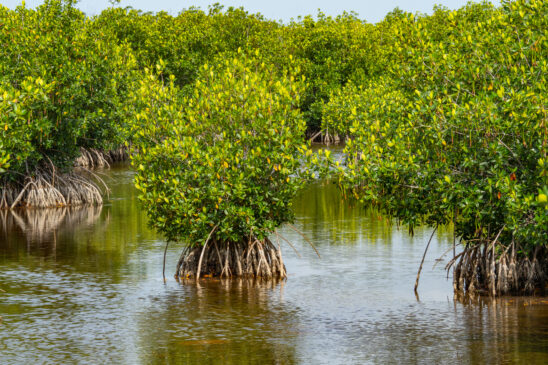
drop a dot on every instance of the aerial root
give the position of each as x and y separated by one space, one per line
482 269
324 137
228 259
46 189
95 158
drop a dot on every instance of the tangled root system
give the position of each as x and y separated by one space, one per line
46 189
256 258
488 270
94 158
324 137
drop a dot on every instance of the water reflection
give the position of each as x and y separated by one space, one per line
507 330
214 321
324 213
40 226
85 286
87 238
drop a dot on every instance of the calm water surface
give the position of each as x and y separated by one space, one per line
85 286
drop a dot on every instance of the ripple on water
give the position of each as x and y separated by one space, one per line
87 288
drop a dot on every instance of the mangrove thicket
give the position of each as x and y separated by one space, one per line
444 118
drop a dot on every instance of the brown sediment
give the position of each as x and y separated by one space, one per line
95 158
46 188
496 269
254 258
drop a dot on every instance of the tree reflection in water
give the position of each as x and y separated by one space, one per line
220 321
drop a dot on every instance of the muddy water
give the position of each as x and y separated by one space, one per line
85 286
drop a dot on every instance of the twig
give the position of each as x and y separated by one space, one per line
286 240
445 253
304 237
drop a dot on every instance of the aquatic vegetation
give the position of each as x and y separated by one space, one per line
62 88
455 131
329 51
218 169
444 115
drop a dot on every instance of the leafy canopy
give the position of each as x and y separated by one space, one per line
63 85
228 155
456 129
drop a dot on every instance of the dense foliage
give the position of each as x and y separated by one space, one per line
68 75
329 51
445 115
228 155
189 40
455 130
62 86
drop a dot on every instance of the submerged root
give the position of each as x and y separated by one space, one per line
46 189
256 258
94 158
482 269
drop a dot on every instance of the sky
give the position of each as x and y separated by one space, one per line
370 10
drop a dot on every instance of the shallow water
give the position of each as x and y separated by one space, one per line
85 286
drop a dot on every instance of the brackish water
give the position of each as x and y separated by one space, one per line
85 286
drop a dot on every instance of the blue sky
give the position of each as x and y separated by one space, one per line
370 10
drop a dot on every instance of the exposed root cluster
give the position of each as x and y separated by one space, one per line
325 137
46 189
94 158
256 258
498 270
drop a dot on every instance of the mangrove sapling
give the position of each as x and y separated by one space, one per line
218 170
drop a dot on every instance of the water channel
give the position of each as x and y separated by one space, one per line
85 286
